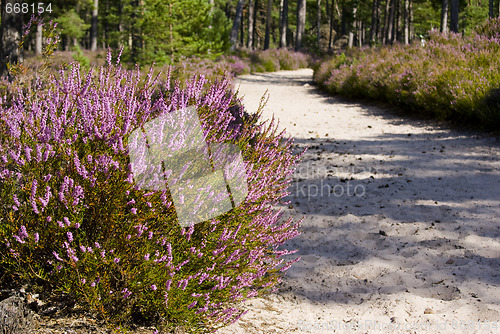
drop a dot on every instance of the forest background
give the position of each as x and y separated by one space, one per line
164 31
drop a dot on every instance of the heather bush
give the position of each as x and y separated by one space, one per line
490 28
450 77
75 219
276 59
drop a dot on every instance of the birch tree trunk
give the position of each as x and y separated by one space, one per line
444 17
373 28
283 23
353 27
93 26
38 40
251 8
406 22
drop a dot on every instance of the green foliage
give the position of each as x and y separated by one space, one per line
71 25
80 58
473 15
163 31
426 16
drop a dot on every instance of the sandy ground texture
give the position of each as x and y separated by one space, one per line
401 230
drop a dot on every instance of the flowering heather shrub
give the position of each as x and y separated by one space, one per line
448 78
277 59
490 28
243 63
187 68
236 65
74 218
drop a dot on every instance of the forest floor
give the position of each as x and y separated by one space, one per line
401 229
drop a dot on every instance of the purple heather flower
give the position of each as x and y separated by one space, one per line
22 232
70 236
126 293
16 201
116 260
19 239
57 256
36 237
153 287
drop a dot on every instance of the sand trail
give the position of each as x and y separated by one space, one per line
402 220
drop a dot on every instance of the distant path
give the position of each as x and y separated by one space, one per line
402 220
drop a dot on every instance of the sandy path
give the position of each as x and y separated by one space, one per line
402 220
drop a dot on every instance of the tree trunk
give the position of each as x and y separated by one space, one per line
330 37
373 28
242 28
318 24
454 16
38 39
361 33
301 23
386 21
353 26
251 8
268 24
256 35
397 22
10 36
444 17
93 26
406 24
491 9
410 19
284 23
236 25
390 26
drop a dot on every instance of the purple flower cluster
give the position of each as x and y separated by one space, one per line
449 77
65 174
